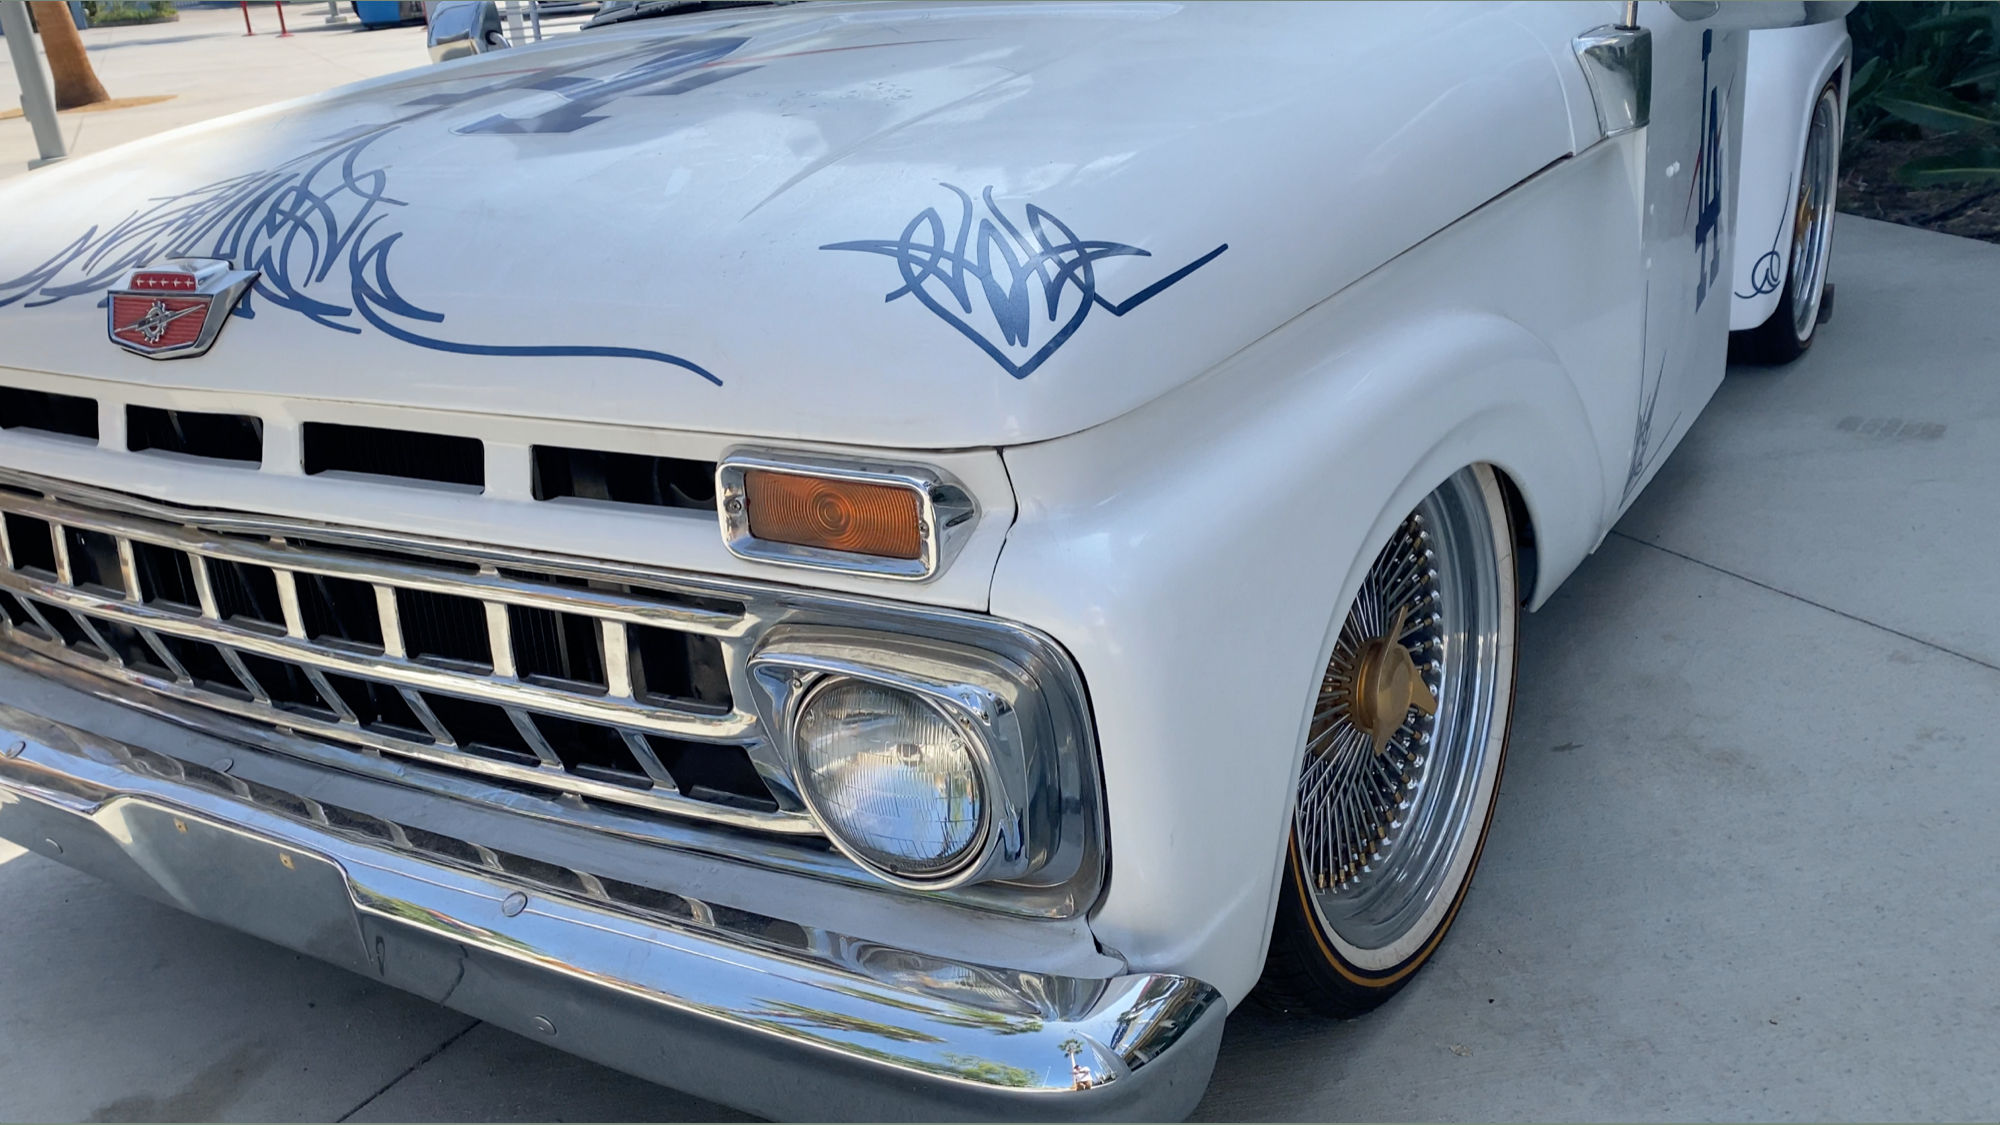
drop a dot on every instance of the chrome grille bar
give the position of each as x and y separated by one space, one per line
487 584
254 651
442 753
390 620
372 653
498 690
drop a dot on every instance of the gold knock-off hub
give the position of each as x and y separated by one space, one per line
1386 685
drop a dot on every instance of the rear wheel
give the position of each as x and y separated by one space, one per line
1788 332
1402 758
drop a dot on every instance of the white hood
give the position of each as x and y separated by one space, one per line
841 223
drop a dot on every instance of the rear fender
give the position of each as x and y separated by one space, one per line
1785 71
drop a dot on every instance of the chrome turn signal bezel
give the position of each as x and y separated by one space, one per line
945 510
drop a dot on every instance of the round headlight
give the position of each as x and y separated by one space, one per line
891 776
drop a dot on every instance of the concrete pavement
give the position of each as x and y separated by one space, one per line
210 68
1742 865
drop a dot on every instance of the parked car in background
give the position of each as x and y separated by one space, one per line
387 13
978 536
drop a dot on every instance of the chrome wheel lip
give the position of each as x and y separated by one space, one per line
1380 918
1812 223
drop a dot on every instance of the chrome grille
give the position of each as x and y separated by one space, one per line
528 672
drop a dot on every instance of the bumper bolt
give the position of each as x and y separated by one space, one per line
226 764
52 844
513 904
14 750
543 1025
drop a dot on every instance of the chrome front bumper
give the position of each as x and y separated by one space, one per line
829 1029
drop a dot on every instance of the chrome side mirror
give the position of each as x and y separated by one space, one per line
1618 64
465 27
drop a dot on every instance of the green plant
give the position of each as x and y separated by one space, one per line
1924 68
127 11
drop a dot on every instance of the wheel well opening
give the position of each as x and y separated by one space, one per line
1527 561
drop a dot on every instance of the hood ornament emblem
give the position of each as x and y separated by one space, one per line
174 309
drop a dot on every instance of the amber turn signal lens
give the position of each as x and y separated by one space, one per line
834 515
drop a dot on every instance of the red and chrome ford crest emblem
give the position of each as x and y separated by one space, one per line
176 308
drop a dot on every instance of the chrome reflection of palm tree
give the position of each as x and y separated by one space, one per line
1079 1076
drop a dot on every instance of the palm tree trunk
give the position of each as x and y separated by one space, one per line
76 83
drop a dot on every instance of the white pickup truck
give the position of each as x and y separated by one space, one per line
871 559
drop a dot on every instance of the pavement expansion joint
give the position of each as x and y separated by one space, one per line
1781 592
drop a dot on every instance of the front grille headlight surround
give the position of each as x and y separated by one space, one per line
1030 799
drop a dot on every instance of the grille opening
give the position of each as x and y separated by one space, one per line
445 628
359 823
278 799
205 665
534 870
17 614
405 454
664 597
205 777
220 437
287 685
569 580
246 593
93 560
378 707
558 649
777 931
678 667
623 478
48 412
396 558
66 627
592 751
33 548
130 647
722 775
450 847
339 609
481 728
646 898
165 575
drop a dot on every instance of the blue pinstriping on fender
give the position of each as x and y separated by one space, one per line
940 265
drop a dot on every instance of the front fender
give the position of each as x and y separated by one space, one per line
1193 559
1785 71
1193 553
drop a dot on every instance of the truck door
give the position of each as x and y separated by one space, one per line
1688 229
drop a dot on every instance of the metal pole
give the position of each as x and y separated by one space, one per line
38 98
514 34
245 5
535 14
333 11
283 32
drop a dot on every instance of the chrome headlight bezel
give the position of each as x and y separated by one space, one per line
1026 753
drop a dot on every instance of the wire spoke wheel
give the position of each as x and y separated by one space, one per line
1403 752
1812 218
1789 329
